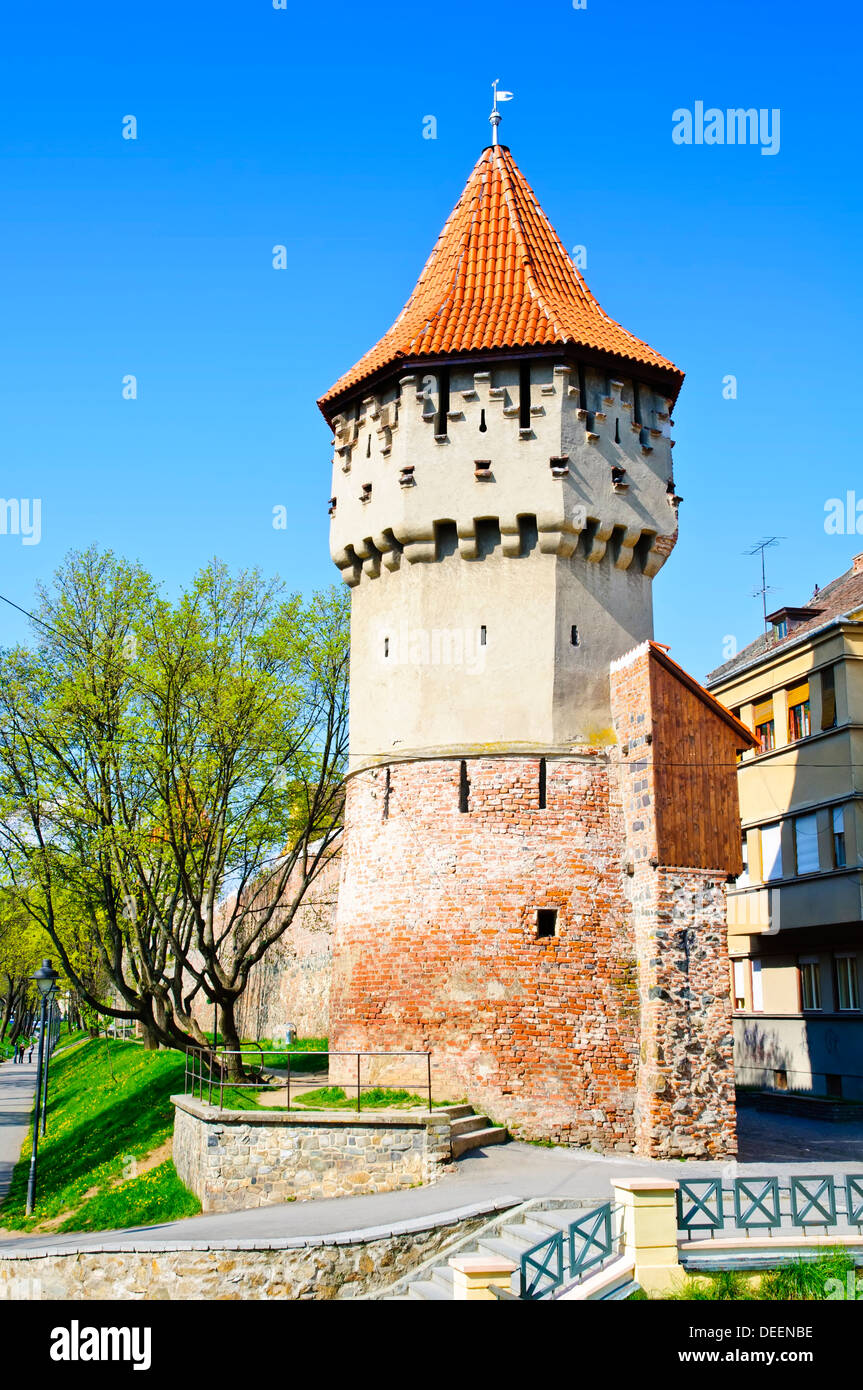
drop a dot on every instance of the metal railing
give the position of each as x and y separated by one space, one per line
211 1073
565 1256
763 1205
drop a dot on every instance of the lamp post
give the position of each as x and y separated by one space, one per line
46 979
50 1043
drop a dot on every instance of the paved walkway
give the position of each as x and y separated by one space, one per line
17 1084
502 1174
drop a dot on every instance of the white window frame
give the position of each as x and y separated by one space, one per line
738 972
757 987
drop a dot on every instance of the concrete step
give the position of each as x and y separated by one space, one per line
478 1140
562 1219
428 1290
533 1226
443 1275
455 1112
524 1236
468 1124
507 1249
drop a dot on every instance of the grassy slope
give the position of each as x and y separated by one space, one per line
108 1108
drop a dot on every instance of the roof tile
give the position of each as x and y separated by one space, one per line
498 276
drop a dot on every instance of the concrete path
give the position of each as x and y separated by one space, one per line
502 1174
17 1085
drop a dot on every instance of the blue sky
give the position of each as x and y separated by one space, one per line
304 127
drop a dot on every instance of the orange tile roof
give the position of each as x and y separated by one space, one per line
499 277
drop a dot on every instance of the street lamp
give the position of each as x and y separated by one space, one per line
46 981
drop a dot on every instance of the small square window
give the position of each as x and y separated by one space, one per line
546 921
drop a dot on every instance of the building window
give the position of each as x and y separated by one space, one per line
738 968
828 697
546 921
442 414
757 988
780 628
798 712
810 983
463 787
847 984
806 844
542 783
839 837
524 396
765 729
771 851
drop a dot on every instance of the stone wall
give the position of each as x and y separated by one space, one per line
346 1265
674 804
235 1159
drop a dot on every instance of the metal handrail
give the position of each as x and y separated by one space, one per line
566 1255
763 1204
216 1065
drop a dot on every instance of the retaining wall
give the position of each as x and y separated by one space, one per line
235 1159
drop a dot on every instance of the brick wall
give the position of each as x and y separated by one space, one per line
436 942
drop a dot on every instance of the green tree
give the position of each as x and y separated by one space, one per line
159 760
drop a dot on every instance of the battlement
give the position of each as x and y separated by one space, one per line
516 454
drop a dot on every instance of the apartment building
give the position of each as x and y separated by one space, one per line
794 915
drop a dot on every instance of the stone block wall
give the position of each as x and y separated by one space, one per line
318 1267
235 1159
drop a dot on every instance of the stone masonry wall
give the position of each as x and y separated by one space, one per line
317 1268
236 1159
436 941
685 1104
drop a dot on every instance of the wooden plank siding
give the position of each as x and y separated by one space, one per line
695 746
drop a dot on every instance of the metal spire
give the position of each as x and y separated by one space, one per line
495 118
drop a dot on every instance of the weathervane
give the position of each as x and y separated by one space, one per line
494 118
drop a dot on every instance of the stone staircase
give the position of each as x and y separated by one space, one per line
471 1131
506 1235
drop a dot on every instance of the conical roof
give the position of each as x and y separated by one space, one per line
498 278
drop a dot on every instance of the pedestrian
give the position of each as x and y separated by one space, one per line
30 1053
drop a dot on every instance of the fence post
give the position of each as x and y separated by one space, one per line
474 1275
650 1231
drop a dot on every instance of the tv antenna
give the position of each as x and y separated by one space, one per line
759 548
